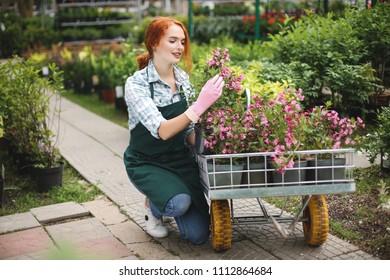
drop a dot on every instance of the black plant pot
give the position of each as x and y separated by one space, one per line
25 166
199 142
325 170
258 172
120 104
21 160
47 178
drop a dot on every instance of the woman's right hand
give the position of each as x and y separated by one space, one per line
210 93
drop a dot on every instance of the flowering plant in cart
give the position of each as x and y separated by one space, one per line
325 129
223 131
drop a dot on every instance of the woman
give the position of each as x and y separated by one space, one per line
158 160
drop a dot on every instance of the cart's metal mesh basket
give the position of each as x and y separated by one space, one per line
254 174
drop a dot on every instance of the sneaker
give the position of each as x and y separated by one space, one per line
154 226
167 219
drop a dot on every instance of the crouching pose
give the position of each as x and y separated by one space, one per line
158 159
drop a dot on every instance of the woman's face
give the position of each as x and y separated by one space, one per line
171 46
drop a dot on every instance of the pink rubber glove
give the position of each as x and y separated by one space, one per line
210 93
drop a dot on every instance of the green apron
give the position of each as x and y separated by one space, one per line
162 169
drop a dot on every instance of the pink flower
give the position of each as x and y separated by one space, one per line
336 145
290 164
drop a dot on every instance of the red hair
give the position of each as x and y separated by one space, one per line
154 32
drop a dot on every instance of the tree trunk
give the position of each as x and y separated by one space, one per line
26 8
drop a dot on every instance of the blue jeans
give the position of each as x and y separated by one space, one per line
193 225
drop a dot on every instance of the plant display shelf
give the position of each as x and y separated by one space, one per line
312 182
94 3
92 22
96 23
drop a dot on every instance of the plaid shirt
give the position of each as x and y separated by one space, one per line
142 108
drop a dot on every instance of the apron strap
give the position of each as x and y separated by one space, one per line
151 88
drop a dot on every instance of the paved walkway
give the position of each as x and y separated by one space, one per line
111 227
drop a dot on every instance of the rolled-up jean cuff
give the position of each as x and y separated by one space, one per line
176 206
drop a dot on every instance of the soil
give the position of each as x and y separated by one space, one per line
368 222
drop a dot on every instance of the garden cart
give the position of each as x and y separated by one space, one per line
316 173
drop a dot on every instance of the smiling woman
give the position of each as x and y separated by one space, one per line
166 29
158 159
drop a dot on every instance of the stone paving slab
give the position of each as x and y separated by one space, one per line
15 222
107 248
59 212
87 239
44 254
78 231
105 211
21 243
151 251
129 232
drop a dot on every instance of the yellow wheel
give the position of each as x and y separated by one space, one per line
221 225
316 226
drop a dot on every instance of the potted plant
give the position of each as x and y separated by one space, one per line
126 65
108 78
218 125
326 130
378 141
380 98
79 69
28 118
220 131
278 127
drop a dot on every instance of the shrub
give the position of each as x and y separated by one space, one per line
372 27
25 107
332 51
11 35
378 141
206 28
39 32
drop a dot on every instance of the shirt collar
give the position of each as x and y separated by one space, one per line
153 76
